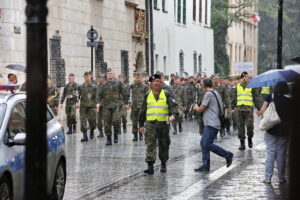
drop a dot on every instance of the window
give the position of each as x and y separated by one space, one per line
194 10
206 8
181 63
184 12
16 123
165 64
155 4
156 62
175 8
164 5
195 62
179 11
125 64
200 11
200 63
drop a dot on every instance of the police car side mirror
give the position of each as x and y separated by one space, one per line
20 139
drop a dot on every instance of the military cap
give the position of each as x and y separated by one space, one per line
87 73
144 74
110 70
101 75
159 73
177 76
122 76
243 74
154 76
71 74
138 74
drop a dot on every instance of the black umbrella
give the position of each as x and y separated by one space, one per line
16 67
296 59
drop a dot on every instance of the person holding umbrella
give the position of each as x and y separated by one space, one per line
244 100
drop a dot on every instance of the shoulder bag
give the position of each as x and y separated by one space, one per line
271 117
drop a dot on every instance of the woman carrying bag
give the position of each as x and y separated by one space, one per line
276 138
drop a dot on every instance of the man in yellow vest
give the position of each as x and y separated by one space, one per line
244 101
159 107
265 91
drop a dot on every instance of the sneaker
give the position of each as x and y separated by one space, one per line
201 169
229 159
267 181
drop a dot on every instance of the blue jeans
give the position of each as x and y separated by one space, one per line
276 150
207 145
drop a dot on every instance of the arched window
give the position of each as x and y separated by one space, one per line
181 63
200 63
195 62
184 12
179 11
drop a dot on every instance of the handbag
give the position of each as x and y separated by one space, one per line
221 115
271 117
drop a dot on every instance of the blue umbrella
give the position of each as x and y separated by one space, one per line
16 67
272 77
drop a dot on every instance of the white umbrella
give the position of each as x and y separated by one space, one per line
295 68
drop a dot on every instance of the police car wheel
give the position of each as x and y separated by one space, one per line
59 182
5 188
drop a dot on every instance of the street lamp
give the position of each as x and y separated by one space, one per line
279 39
92 35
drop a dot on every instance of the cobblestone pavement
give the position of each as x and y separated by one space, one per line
95 171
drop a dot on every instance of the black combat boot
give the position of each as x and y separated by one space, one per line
124 128
92 134
163 167
250 143
108 141
85 138
141 136
180 127
70 130
175 128
242 147
150 169
74 128
100 133
135 137
222 132
115 138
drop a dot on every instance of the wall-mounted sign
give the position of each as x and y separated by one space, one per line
140 22
243 66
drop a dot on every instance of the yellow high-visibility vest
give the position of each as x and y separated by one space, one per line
157 110
266 90
244 96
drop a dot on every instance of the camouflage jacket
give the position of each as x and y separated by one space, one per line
71 93
180 95
223 93
200 93
191 92
138 92
171 101
87 95
112 94
53 96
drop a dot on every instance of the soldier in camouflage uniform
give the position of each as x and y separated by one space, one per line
228 112
190 88
181 98
244 100
122 79
87 96
138 91
53 96
101 80
146 79
159 106
70 93
111 95
223 93
200 94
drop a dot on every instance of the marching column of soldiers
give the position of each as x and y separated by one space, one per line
104 104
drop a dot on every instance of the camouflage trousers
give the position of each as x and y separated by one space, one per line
134 116
71 114
123 115
228 116
245 118
87 114
112 117
100 118
181 114
157 132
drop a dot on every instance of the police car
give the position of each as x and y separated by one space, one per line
12 148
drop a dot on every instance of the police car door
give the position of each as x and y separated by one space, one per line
16 153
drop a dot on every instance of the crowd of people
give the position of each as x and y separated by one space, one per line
156 104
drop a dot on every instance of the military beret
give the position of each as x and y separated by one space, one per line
71 74
154 76
243 74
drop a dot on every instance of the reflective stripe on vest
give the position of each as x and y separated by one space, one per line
157 110
244 96
265 90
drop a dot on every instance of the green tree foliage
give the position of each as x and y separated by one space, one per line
267 51
222 17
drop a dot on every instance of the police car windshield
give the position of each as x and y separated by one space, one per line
2 112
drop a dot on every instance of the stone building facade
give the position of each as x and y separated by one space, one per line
242 43
115 21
